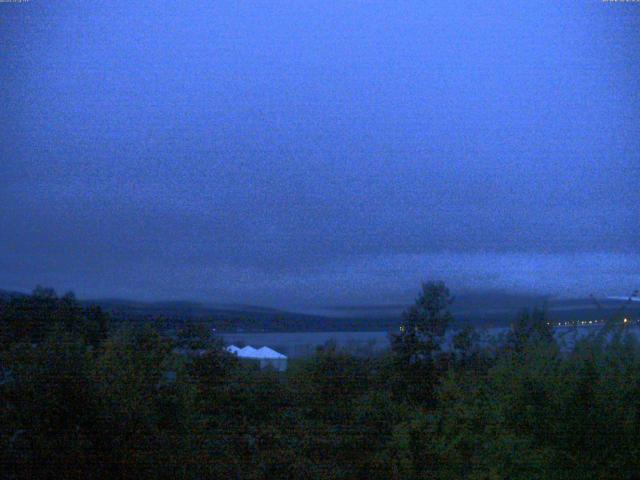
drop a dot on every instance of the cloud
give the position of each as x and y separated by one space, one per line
292 153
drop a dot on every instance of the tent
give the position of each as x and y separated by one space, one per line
266 352
272 359
265 356
247 352
232 349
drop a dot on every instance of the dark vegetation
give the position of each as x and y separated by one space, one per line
82 397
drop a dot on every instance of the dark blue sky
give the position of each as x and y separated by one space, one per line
305 153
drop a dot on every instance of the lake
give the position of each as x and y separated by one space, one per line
301 344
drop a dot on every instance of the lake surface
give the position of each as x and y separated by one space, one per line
301 344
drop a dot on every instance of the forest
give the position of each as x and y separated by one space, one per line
84 397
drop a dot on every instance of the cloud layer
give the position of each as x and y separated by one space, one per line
316 152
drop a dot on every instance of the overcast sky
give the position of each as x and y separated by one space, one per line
295 154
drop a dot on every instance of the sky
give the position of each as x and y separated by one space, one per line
298 154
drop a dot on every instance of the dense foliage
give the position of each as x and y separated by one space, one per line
78 400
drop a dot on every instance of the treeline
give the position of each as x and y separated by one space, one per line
81 399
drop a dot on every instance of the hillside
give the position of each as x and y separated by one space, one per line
477 308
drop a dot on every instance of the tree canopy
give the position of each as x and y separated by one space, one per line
80 399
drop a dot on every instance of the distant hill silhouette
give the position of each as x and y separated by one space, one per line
8 294
476 308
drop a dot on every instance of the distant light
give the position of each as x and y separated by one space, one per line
626 320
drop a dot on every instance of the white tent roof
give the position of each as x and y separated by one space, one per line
262 353
232 349
248 352
266 352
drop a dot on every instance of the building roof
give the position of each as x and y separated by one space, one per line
262 353
248 352
232 349
266 352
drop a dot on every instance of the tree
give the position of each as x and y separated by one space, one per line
125 377
45 408
467 351
32 318
96 327
421 333
194 335
425 322
530 327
